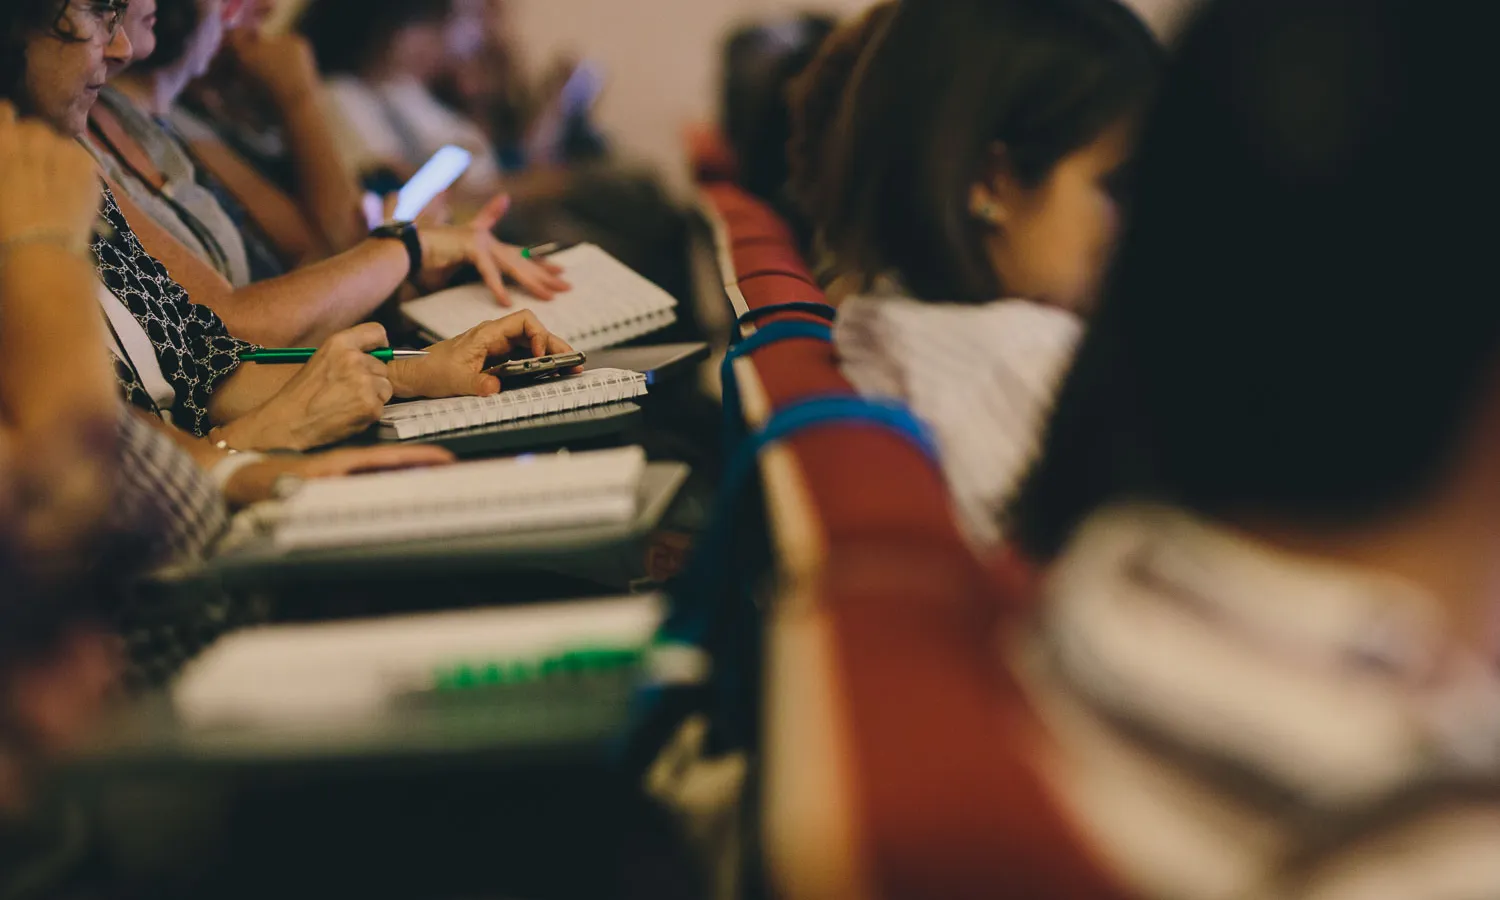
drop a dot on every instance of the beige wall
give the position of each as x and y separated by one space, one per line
661 57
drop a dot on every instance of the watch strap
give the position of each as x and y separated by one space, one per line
406 233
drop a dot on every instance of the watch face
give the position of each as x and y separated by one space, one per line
392 229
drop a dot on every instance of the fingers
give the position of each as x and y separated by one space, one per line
489 272
536 279
7 114
555 346
493 211
378 459
479 384
366 337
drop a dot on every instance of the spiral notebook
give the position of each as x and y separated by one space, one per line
404 421
609 304
534 493
283 673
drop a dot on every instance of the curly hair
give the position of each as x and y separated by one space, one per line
19 20
816 97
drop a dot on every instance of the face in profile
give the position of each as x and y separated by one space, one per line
139 22
66 67
1052 242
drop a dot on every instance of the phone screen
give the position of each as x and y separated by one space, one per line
446 166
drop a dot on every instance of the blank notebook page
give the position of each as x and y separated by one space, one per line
609 303
491 496
425 417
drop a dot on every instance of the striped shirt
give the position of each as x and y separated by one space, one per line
1232 721
983 377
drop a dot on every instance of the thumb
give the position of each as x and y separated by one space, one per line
481 385
493 212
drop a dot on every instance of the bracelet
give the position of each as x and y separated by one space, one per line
225 469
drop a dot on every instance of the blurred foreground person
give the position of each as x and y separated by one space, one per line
1271 489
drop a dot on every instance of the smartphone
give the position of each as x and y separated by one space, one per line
582 88
436 175
537 367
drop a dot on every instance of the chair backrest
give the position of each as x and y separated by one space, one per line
895 749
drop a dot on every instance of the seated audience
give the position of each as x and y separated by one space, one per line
815 99
541 124
383 59
256 120
177 357
1266 655
972 195
172 43
759 62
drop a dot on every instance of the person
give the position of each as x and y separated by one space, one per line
177 357
256 121
382 59
131 135
759 61
815 99
541 124
1265 653
980 155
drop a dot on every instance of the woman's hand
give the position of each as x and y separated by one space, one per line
455 368
49 185
339 392
283 64
446 248
257 481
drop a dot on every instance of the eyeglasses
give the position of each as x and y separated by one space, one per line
105 17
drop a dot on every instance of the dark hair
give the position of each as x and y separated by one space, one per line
348 35
1299 323
19 19
176 20
949 80
759 62
816 97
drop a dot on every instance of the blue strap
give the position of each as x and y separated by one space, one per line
774 333
821 310
713 607
712 555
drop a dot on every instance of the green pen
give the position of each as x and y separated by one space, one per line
540 250
292 355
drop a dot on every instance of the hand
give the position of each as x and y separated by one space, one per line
283 64
339 392
257 481
455 368
443 249
48 182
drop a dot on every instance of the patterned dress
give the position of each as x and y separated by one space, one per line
194 349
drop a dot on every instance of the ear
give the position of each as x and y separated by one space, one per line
996 196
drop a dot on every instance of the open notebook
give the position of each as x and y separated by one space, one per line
404 421
608 305
533 493
350 668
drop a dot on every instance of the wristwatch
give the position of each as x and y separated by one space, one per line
406 233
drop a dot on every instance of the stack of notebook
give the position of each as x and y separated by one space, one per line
404 421
609 304
314 672
535 493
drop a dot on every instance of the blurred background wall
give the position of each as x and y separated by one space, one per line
661 57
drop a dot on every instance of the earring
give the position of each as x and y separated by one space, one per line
987 211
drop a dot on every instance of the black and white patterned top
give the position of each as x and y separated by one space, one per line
194 349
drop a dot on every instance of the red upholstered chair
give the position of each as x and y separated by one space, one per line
709 155
897 750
